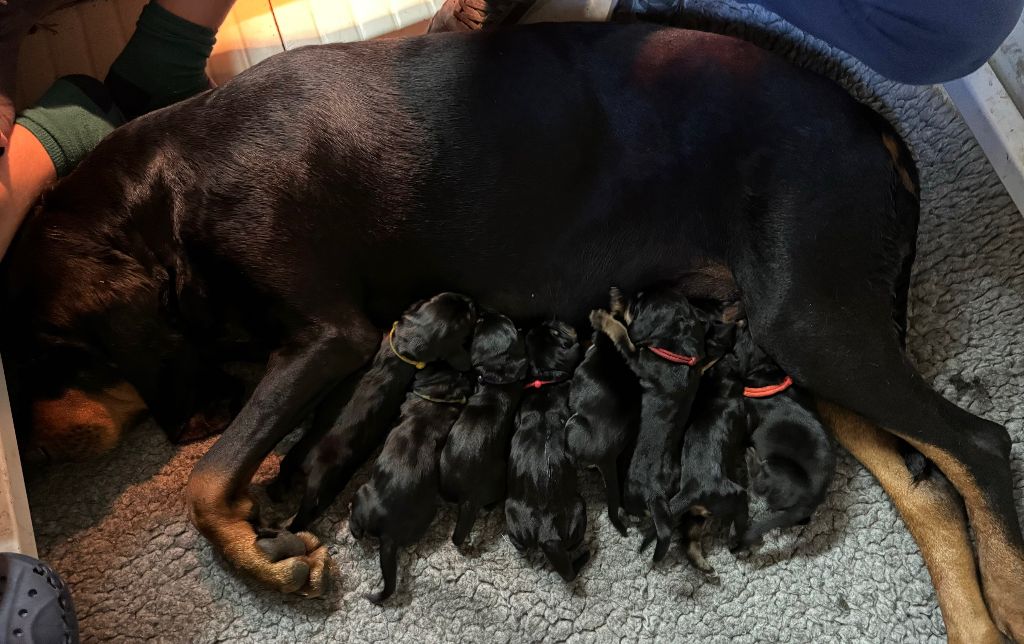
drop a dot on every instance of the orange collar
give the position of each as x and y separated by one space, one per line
769 390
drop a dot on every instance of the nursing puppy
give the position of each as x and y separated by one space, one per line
544 509
792 459
712 461
341 441
662 339
605 400
400 500
474 462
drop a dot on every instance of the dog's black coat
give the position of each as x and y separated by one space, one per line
605 402
544 509
792 460
529 168
400 500
711 481
474 463
435 329
660 319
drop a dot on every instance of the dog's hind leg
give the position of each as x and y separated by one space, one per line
610 473
388 570
934 513
829 320
974 454
693 529
464 524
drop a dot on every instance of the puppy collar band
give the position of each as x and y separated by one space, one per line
665 354
769 390
391 341
537 384
442 401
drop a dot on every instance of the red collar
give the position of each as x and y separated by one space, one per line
769 390
665 354
537 384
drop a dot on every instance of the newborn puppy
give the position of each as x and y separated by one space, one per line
474 463
605 400
544 509
351 424
792 459
662 340
400 500
711 466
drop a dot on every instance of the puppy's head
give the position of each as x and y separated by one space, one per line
498 350
553 350
437 329
442 383
664 318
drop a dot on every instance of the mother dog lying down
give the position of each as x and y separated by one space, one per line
303 205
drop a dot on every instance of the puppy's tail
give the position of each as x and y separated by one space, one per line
389 570
464 524
663 524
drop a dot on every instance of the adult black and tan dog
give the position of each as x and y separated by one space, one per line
308 201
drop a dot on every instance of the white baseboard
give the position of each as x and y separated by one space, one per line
15 522
991 101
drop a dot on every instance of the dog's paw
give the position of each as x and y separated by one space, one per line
616 301
599 318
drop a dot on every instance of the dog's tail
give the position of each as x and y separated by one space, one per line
464 524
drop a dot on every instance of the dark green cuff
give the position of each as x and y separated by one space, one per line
71 118
163 62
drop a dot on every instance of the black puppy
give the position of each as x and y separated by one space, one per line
474 463
400 500
544 509
711 466
605 400
662 339
792 459
435 329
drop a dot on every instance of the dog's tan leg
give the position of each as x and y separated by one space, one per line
935 516
603 322
1000 561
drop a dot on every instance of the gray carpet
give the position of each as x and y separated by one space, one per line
117 527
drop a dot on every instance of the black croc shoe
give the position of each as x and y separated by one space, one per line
35 605
473 15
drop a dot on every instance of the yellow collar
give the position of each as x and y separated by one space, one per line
454 401
391 341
